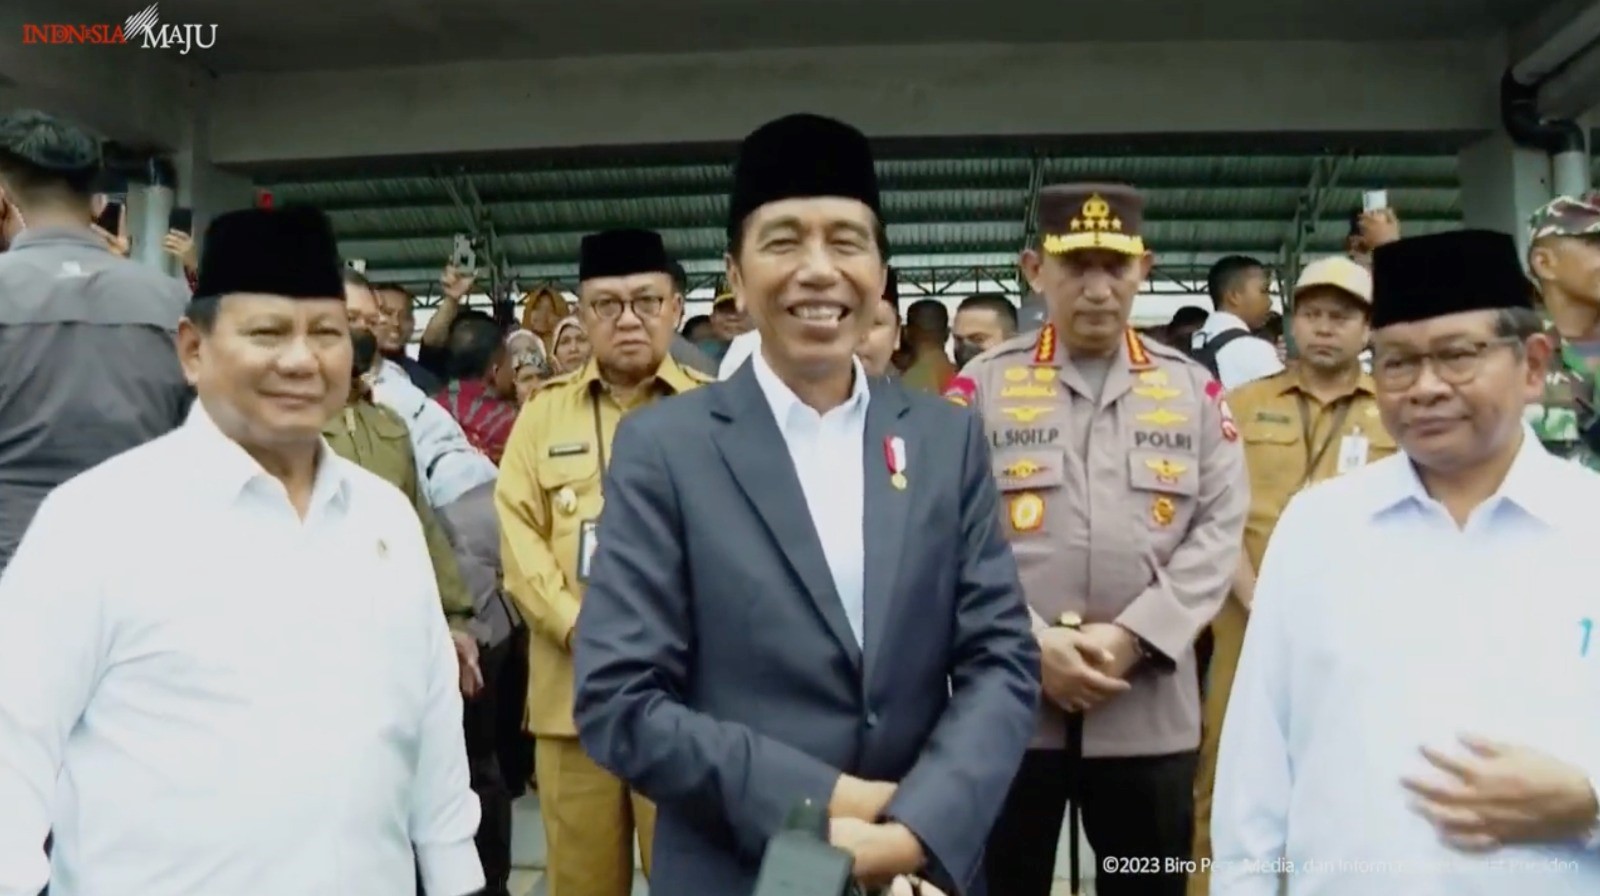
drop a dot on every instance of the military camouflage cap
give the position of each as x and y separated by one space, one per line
1567 216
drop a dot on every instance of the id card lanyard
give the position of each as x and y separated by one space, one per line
1307 425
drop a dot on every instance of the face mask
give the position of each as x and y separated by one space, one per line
364 346
965 352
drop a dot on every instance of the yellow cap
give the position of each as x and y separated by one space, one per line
1340 273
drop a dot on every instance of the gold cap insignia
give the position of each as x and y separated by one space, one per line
1096 215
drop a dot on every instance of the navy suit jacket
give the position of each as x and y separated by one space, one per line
717 672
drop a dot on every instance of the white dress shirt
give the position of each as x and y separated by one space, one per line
739 350
447 464
828 451
1243 360
1379 627
202 694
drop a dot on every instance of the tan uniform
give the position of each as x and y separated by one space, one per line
548 498
1285 450
374 438
1126 507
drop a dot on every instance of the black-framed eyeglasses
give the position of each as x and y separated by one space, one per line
1456 364
644 307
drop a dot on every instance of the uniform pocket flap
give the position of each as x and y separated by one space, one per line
1027 470
1155 471
556 472
1264 428
386 424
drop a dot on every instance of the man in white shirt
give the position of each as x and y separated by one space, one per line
1421 721
245 686
1242 302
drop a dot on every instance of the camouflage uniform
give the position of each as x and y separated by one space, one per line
1572 390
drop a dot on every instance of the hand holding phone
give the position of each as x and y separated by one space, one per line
464 258
1374 201
181 220
111 217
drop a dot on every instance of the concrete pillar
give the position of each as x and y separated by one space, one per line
148 208
1502 185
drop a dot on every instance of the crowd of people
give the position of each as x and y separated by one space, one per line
1259 601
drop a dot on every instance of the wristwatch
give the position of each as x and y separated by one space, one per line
1074 621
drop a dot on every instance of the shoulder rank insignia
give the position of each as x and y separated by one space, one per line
1138 355
1044 350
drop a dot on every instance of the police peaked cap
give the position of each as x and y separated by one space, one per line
288 252
801 156
619 253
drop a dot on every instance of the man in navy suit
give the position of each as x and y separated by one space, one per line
800 588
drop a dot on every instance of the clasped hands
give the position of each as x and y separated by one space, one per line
885 852
1086 666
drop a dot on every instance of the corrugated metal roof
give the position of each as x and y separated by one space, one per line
1199 206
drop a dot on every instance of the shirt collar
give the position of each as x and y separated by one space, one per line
1532 484
670 377
1289 381
1221 322
45 236
228 471
785 403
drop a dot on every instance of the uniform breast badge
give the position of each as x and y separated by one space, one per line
567 500
1167 471
894 455
1163 511
1027 512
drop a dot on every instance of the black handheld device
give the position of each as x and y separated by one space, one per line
110 219
800 861
181 220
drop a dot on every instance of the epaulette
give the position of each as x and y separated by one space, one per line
1022 342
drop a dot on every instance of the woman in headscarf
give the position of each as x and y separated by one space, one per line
570 344
542 311
530 365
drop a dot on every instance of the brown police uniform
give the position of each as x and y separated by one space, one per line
548 498
375 438
1291 440
1123 493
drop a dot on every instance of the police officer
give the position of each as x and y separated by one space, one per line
549 500
1123 492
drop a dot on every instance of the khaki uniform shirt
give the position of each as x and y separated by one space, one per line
548 499
1125 506
1278 455
375 439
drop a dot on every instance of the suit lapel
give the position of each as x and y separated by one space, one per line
754 450
886 510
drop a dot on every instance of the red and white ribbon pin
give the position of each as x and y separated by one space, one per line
894 454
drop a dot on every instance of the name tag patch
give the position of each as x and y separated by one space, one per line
570 449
